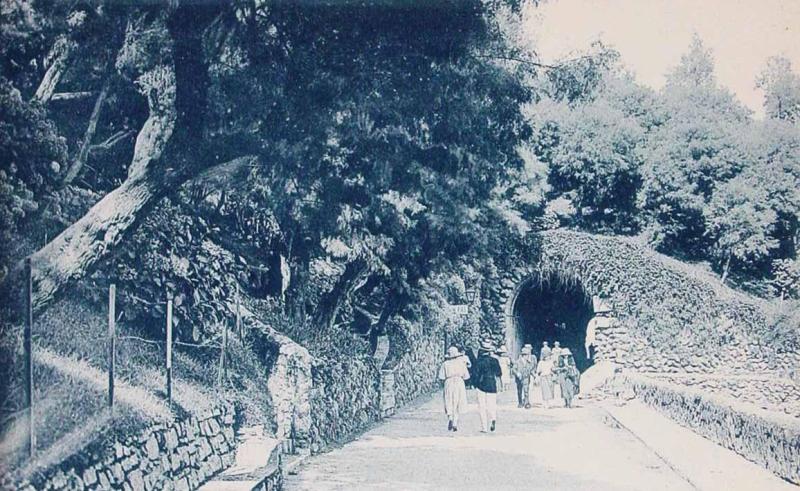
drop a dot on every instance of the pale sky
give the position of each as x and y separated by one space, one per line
651 35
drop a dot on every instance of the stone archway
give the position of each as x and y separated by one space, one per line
550 310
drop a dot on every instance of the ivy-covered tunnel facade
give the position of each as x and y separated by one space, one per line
668 316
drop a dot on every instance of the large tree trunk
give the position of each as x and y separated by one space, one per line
170 149
81 245
71 254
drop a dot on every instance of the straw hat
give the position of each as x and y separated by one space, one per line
527 349
487 346
557 344
452 352
566 351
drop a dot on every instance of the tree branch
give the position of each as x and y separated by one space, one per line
83 152
70 96
111 141
505 57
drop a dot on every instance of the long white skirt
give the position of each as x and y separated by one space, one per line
455 396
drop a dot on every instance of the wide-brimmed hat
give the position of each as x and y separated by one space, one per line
452 352
527 349
487 346
566 351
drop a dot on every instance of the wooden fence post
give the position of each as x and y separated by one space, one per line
112 342
169 349
28 348
223 369
238 314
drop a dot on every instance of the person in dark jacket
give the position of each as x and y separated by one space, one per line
486 370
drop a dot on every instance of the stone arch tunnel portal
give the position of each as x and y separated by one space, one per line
551 311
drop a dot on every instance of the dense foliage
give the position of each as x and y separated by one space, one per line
687 167
377 147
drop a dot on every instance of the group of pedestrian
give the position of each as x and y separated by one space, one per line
484 374
555 367
493 370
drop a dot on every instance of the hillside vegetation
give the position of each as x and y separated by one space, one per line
346 170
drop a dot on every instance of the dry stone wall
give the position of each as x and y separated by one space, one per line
781 395
176 456
766 438
416 372
345 399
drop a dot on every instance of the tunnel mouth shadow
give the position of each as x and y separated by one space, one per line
551 309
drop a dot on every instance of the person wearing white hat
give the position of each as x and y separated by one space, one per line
486 371
453 372
544 375
544 353
567 376
523 368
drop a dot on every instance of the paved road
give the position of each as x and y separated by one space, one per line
580 449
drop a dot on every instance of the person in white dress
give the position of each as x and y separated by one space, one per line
505 368
454 372
544 375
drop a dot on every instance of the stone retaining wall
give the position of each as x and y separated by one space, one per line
345 399
416 372
768 439
770 393
179 455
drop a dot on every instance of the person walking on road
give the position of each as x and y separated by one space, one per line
544 353
505 368
523 369
556 351
568 376
486 371
544 374
454 372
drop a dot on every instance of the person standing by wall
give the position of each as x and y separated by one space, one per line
486 371
454 372
523 369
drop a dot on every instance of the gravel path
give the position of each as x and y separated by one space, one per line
580 449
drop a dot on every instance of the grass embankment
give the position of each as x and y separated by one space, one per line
71 385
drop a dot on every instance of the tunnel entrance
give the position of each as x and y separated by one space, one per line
552 311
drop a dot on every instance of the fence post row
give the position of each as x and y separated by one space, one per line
28 348
169 349
112 342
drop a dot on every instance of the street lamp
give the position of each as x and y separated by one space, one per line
471 294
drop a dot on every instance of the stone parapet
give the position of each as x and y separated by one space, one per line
171 456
